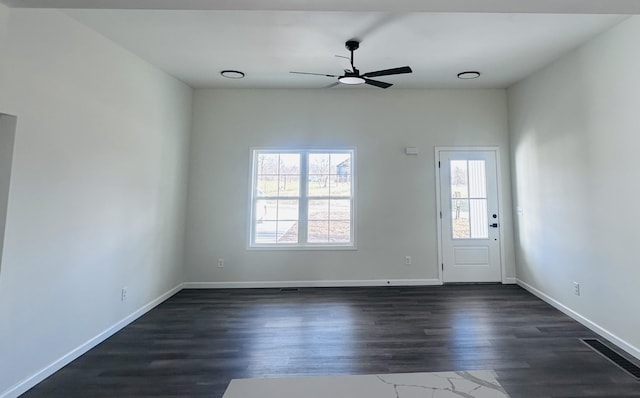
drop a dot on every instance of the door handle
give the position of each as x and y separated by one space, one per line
494 225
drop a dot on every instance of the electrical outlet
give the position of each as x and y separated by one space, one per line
407 260
123 294
576 288
220 263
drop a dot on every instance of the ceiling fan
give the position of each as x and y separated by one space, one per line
352 76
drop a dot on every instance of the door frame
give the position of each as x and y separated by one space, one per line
496 150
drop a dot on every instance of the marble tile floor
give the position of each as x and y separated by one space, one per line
472 384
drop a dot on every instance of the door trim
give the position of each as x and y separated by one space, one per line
496 150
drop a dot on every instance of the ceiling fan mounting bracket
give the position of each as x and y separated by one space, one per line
352 45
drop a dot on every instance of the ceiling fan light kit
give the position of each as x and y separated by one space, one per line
353 77
350 80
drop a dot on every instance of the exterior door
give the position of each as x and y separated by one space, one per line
469 211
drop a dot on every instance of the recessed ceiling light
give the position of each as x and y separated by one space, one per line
468 75
232 74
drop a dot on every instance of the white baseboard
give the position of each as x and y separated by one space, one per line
631 349
509 281
337 283
24 385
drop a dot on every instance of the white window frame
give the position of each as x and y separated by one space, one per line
303 200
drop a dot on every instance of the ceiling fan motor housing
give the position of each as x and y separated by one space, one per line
355 72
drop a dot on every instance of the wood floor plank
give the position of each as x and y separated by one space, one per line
194 343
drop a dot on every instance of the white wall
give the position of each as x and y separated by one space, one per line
97 188
4 18
396 213
575 134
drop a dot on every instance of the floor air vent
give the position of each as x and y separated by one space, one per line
617 359
289 290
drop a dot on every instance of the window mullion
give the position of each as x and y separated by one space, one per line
303 207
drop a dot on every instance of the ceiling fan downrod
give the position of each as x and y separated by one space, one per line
352 45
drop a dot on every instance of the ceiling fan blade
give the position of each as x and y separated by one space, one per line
378 83
315 74
388 72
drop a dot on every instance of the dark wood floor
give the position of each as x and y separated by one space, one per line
193 344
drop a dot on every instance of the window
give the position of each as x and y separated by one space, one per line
469 199
302 198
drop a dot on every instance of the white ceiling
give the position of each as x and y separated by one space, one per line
513 6
194 40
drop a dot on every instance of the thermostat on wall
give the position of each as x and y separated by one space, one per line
411 150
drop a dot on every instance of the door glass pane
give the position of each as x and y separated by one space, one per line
460 219
469 218
477 179
459 187
479 219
